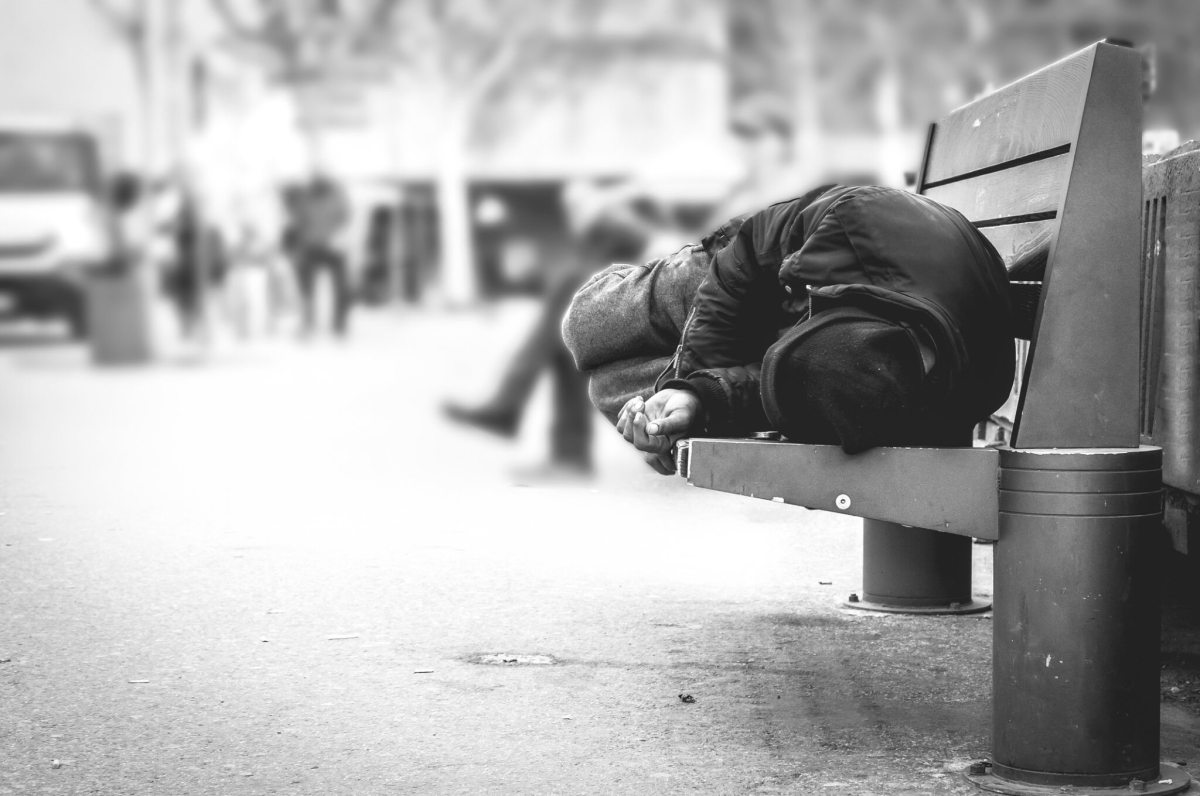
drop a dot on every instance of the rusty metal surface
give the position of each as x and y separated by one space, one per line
953 490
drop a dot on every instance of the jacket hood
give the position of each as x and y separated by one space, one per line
907 257
855 378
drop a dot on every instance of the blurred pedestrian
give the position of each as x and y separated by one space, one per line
319 213
130 219
198 263
251 259
612 236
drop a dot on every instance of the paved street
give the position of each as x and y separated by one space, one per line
274 569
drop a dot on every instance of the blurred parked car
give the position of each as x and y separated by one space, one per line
54 218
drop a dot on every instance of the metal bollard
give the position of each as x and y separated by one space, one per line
915 570
1075 686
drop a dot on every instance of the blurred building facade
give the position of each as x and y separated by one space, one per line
459 125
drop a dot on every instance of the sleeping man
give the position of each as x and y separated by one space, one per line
853 316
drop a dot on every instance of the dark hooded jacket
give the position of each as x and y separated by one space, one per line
894 254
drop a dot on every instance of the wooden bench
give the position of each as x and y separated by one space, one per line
1049 169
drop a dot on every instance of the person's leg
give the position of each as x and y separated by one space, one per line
502 411
571 427
304 285
341 292
189 303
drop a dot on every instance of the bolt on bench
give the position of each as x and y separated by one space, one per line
1049 168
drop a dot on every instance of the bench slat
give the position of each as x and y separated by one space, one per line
983 133
1031 189
1023 247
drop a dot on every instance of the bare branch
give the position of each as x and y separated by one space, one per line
375 29
232 19
127 23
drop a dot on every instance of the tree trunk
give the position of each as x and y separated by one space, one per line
150 62
892 152
807 143
457 275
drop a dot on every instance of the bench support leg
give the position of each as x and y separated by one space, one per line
915 571
1075 684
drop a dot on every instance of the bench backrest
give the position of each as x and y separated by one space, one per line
1049 169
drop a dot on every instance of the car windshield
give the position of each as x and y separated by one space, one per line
46 162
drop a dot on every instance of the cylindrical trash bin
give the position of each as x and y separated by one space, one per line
120 316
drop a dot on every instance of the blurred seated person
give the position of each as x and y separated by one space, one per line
852 316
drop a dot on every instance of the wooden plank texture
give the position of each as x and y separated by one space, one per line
1023 190
1038 112
1023 247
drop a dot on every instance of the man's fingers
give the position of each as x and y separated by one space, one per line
641 440
631 407
650 443
633 422
675 423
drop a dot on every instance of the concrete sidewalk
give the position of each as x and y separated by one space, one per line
278 571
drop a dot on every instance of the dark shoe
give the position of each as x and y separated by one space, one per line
493 421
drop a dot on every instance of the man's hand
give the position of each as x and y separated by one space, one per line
655 425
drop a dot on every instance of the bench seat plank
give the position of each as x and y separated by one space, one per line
954 490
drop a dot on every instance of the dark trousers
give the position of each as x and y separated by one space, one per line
571 427
312 261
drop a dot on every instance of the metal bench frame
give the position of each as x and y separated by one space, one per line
1049 168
